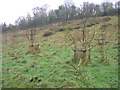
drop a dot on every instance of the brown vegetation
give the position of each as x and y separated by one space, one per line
32 47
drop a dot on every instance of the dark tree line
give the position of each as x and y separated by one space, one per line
9 28
67 11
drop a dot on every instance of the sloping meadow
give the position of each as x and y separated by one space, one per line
52 66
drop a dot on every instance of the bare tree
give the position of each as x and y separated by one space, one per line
33 47
82 46
40 15
13 40
102 42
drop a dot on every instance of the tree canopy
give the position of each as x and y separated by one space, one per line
67 11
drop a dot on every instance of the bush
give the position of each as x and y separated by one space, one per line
47 34
105 26
62 29
106 19
77 27
89 25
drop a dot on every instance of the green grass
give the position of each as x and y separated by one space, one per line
51 70
50 67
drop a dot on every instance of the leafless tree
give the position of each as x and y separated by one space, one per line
82 46
33 47
13 40
102 42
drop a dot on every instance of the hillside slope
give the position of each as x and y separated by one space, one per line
52 66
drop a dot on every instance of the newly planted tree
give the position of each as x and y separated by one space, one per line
33 47
82 46
12 39
102 42
5 38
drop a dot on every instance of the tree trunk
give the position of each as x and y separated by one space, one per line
81 56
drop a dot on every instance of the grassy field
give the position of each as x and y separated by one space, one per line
52 66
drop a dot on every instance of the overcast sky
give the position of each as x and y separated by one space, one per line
10 10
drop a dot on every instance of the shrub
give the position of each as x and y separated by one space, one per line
62 29
77 27
47 34
89 25
106 19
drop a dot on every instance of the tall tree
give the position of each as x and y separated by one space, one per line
40 15
107 7
69 7
21 22
4 28
97 10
